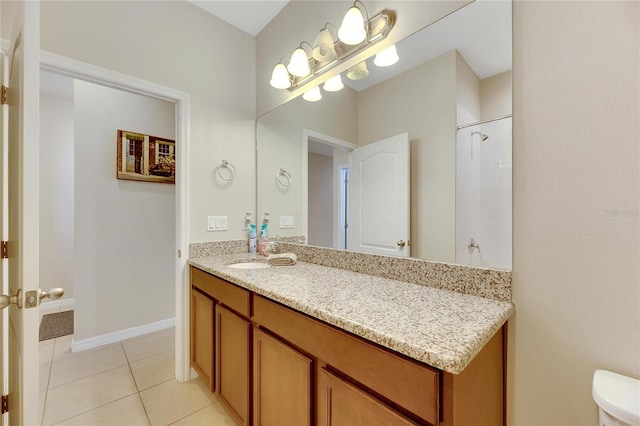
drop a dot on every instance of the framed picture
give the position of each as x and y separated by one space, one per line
145 158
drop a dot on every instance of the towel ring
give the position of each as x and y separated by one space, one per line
286 175
226 165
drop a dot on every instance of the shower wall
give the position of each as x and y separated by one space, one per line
483 169
483 195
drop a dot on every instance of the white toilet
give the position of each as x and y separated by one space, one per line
618 398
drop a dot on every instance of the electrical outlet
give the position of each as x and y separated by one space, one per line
286 222
217 223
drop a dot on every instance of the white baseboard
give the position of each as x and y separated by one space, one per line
116 336
57 305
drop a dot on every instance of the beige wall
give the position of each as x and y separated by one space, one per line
178 45
124 230
495 96
576 172
468 95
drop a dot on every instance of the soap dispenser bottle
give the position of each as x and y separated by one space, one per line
252 238
264 240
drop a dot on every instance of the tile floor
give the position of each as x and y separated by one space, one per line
126 383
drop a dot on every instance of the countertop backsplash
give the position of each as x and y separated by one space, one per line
483 282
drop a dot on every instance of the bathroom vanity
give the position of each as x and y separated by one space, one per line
309 344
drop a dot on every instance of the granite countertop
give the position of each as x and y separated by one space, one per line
441 328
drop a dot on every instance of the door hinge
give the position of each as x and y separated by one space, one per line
5 404
3 98
4 250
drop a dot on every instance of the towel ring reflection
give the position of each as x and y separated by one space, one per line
287 178
226 165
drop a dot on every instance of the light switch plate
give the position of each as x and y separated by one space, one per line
217 223
286 222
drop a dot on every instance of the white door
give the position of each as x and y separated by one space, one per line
379 197
23 87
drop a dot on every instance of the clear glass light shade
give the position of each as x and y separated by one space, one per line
299 63
358 72
280 77
323 50
387 57
312 95
352 30
333 84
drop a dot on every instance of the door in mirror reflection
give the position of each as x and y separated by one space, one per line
379 197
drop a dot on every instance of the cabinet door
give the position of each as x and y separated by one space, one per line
233 335
282 383
202 336
342 404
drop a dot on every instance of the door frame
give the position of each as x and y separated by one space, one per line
329 140
94 74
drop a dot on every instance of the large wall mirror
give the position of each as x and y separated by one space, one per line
412 160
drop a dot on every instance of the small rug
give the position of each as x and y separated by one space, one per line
56 325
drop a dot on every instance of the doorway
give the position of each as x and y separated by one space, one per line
324 197
114 80
85 212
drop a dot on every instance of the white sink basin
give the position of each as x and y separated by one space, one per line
249 265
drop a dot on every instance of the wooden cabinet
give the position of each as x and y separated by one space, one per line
282 383
221 340
342 404
233 366
277 366
202 336
412 385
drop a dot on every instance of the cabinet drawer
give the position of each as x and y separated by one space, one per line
224 292
407 383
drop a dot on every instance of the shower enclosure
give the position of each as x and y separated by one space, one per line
483 194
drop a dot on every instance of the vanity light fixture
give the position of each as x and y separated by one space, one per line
323 48
299 63
280 78
334 84
312 95
387 57
352 31
358 72
305 66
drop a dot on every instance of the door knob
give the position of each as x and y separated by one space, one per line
34 297
401 243
8 300
52 293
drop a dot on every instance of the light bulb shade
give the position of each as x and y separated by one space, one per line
358 72
299 63
312 95
387 57
280 77
323 50
352 30
333 84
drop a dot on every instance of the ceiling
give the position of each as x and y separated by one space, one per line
250 16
